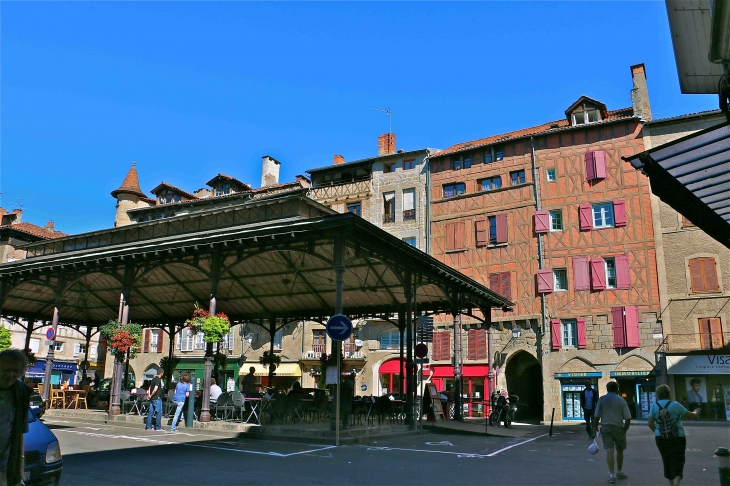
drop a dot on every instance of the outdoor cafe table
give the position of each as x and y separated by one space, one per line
255 402
69 396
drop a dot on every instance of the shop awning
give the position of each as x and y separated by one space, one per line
391 366
284 369
692 175
468 371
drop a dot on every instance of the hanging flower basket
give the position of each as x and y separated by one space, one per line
328 360
121 339
271 360
212 327
220 360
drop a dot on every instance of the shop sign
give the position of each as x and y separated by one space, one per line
577 374
708 364
637 374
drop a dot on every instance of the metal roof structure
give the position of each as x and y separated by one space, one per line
692 175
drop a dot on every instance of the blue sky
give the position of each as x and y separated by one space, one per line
189 90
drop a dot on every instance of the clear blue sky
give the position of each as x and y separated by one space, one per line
192 89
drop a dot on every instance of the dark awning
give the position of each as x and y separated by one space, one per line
692 175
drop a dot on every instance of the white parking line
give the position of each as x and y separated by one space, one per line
515 445
263 453
457 454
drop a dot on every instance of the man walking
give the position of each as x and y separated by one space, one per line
155 394
14 404
588 399
613 413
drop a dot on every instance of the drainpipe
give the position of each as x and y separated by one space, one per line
538 206
427 162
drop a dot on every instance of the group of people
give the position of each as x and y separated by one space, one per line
665 420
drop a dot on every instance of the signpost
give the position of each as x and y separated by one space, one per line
50 334
421 352
339 328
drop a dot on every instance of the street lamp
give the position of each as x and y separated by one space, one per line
516 331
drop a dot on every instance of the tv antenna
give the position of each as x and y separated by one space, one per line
390 117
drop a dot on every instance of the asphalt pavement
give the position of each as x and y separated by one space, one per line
122 454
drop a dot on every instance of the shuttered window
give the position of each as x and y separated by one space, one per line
556 331
619 213
455 235
501 220
623 277
477 344
585 217
595 163
146 341
598 274
625 325
711 333
581 332
500 283
545 281
703 275
441 346
542 222
581 274
481 236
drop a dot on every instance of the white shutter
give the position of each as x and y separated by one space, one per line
389 195
77 349
34 345
93 351
409 199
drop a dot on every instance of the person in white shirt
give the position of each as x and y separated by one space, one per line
215 391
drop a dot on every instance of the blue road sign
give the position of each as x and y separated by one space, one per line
50 334
339 327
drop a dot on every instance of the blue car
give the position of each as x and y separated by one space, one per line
43 461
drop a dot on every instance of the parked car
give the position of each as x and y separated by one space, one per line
43 462
37 404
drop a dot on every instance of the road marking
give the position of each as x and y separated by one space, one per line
262 453
110 436
92 428
515 445
443 442
457 454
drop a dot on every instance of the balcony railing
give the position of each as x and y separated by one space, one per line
388 218
319 348
694 342
350 348
409 215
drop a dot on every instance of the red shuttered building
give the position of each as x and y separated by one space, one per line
551 218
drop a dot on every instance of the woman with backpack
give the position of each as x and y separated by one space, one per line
665 420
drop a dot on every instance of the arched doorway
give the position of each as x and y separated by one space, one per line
524 379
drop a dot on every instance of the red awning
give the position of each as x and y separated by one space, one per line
468 371
391 366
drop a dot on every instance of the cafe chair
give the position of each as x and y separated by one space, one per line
58 398
81 398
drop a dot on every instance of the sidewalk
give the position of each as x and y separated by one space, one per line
479 427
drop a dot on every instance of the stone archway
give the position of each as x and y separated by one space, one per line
524 379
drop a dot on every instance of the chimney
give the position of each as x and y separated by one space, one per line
386 144
269 171
50 227
640 94
338 159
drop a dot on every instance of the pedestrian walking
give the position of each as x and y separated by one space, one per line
182 391
155 394
588 399
14 404
613 413
665 420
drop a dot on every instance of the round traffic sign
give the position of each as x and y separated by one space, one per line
421 350
50 334
339 327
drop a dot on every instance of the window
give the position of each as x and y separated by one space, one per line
168 198
703 275
185 340
458 163
79 349
711 333
491 183
388 168
58 346
154 342
603 215
409 204
411 240
570 333
608 273
492 230
610 265
595 163
228 341
561 279
517 177
93 352
451 190
477 344
497 229
222 190
441 346
409 164
584 117
556 220
35 344
277 339
354 208
200 341
494 154
389 207
550 175
390 340
455 235
500 283
625 325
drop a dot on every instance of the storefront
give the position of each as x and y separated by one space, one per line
61 372
638 388
390 378
571 384
284 376
701 381
474 378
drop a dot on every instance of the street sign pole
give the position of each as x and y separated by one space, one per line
337 405
339 328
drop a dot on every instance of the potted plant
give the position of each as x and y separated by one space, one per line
271 360
212 327
122 339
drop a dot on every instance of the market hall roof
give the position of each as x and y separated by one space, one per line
273 257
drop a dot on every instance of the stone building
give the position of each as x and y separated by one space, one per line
694 288
553 219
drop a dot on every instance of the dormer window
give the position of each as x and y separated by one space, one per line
494 153
222 190
168 198
585 117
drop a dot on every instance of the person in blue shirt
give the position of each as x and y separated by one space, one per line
672 449
182 391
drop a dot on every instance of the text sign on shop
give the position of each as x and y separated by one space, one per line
577 374
708 364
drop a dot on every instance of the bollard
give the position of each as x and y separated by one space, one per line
723 464
552 417
190 413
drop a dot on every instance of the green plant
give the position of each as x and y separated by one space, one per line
220 361
169 364
121 339
269 359
5 339
212 327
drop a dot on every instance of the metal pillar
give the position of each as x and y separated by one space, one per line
170 354
458 408
272 335
490 356
215 267
401 344
410 385
28 332
51 349
116 389
339 267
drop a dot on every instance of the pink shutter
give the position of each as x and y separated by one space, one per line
501 228
599 164
631 326
556 333
623 277
617 315
542 222
585 216
545 281
619 213
590 166
598 274
505 287
581 333
480 232
581 280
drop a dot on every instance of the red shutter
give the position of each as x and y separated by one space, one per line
705 334
445 345
581 333
501 228
504 284
450 236
590 166
709 275
480 232
716 331
585 217
160 340
146 341
623 277
545 281
556 333
697 283
471 344
581 280
482 344
617 315
632 326
542 222
619 212
460 231
494 282
599 164
598 274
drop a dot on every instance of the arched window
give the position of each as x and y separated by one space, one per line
390 340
